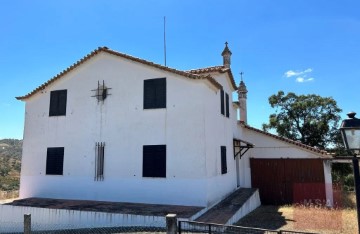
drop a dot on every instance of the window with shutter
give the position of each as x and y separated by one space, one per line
223 160
58 102
55 161
155 93
222 102
154 161
227 105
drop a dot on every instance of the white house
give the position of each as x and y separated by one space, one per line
113 127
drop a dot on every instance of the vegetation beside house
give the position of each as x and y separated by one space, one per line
10 164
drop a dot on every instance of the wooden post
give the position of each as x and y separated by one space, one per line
171 224
27 223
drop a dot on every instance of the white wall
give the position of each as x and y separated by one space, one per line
12 219
219 132
191 127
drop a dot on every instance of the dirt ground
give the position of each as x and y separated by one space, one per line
306 219
313 218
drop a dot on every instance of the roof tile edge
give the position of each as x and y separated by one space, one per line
324 153
106 49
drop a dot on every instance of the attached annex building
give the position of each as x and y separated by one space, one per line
113 127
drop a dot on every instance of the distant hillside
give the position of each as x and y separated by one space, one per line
10 164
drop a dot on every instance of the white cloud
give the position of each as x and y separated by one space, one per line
303 79
300 76
292 73
300 79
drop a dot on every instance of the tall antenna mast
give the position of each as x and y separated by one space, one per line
164 42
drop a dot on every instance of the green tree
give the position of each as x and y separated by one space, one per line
310 119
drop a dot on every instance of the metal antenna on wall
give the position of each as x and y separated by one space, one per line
164 42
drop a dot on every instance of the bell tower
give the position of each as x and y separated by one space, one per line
242 94
226 56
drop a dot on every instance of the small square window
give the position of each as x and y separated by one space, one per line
155 93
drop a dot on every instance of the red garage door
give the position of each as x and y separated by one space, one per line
288 181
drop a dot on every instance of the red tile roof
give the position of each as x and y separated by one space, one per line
107 50
323 153
220 69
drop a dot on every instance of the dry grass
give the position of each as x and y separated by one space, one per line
305 218
9 194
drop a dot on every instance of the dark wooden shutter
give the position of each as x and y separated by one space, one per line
227 104
161 93
58 102
154 161
223 160
222 102
54 100
149 94
55 161
155 93
62 102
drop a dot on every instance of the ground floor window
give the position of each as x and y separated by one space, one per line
154 161
223 160
99 160
55 161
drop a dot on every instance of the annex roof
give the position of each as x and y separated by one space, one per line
220 69
323 153
195 76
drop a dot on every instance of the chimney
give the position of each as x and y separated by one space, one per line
242 94
226 56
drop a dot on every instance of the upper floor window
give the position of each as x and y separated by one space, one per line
155 93
58 102
227 113
224 103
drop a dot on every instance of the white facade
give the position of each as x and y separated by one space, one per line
191 126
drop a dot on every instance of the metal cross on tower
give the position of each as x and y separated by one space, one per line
241 75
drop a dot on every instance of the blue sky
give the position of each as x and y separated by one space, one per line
296 46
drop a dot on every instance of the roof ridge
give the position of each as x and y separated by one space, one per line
116 53
221 69
203 68
297 143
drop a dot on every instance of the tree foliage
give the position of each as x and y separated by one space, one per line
310 119
10 164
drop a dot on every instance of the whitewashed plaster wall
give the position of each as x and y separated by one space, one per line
220 132
193 175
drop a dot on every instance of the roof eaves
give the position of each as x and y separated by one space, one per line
67 70
105 49
206 69
213 81
228 70
220 69
323 153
